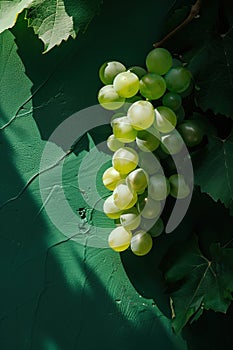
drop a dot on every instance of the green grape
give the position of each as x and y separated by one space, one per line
110 209
113 143
180 113
109 98
111 177
152 86
165 119
141 115
129 101
116 116
176 63
137 180
153 228
178 79
141 243
159 61
119 239
149 162
172 143
139 71
130 219
188 91
178 187
124 197
151 208
158 188
126 84
148 140
172 100
192 132
123 130
158 228
125 160
109 70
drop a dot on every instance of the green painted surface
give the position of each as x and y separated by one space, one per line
56 293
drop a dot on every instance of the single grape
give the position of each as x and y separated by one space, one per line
119 239
178 79
180 114
110 209
150 208
124 197
159 61
113 143
141 243
165 119
158 188
153 228
172 100
111 177
149 162
126 84
178 187
139 71
129 101
176 63
148 140
188 91
130 219
172 143
109 98
123 130
141 115
158 228
109 70
152 86
192 132
125 159
116 116
137 180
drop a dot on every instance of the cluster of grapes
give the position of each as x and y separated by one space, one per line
149 105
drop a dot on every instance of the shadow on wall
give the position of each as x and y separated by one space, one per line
57 294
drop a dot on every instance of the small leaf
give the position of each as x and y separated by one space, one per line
198 283
214 169
51 22
9 11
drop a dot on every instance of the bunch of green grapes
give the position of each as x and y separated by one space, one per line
148 103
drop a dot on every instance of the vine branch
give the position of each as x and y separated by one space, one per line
193 13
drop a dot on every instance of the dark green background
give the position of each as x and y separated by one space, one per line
55 293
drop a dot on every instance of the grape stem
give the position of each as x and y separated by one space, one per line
193 13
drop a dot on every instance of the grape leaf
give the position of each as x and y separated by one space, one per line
9 11
51 22
198 283
214 169
212 67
